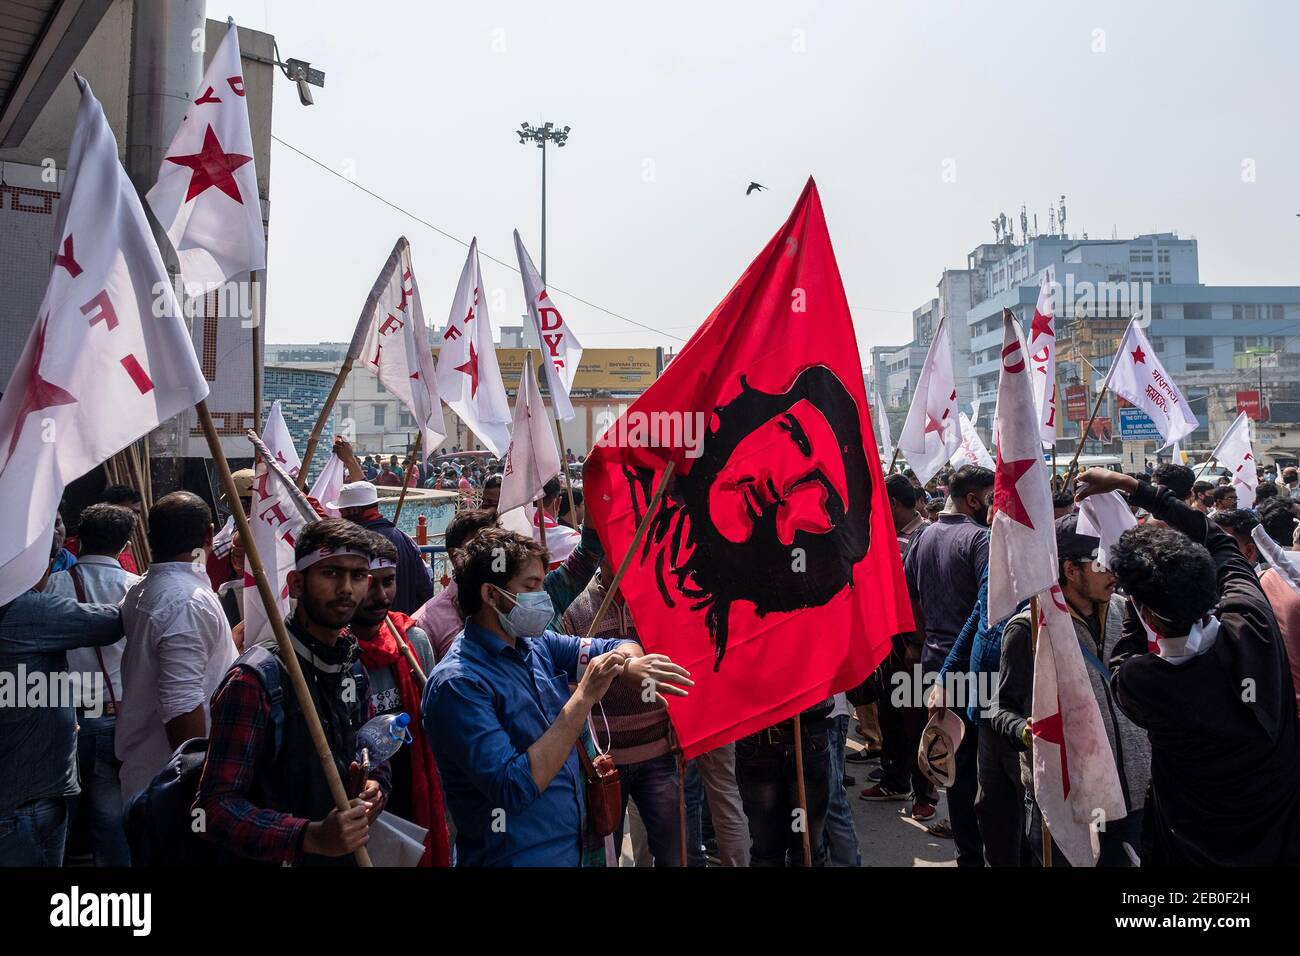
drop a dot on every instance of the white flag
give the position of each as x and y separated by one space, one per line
276 435
560 347
1105 517
532 458
276 521
1138 376
469 378
329 483
971 451
1022 535
975 411
108 358
1235 454
882 420
206 195
1076 783
397 344
1042 353
932 434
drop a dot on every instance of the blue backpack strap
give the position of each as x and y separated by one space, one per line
269 669
1095 663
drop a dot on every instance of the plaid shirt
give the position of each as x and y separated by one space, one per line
241 717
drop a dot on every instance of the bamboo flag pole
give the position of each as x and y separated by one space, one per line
1083 435
892 462
288 656
407 652
256 304
803 793
406 478
631 548
324 416
1034 640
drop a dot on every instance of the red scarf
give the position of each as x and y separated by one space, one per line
426 796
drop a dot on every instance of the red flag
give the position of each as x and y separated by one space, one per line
770 569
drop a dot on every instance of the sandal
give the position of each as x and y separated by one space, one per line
942 830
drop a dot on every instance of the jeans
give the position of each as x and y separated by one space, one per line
1000 801
713 775
841 838
101 791
961 799
653 785
34 834
769 789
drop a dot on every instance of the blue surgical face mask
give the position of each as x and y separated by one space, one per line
530 615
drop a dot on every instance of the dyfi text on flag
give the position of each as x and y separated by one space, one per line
560 347
108 358
1022 536
469 378
397 344
206 195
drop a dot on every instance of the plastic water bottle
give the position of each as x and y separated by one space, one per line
382 736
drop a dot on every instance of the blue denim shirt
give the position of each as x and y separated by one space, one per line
485 704
977 650
38 721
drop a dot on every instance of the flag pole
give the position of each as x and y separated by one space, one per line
1035 632
803 794
322 419
1083 436
892 462
256 304
288 656
407 652
401 497
631 548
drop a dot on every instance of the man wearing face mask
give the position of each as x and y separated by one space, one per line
264 794
944 566
1202 667
499 715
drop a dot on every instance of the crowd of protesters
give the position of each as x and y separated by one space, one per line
524 676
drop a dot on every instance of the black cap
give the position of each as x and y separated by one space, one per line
1070 545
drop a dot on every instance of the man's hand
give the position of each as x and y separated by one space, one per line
934 700
658 673
1099 481
343 448
340 833
600 673
372 795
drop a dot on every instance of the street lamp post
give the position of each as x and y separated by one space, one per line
540 135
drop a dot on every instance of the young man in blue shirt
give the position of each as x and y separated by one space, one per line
499 714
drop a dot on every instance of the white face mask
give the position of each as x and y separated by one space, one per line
531 614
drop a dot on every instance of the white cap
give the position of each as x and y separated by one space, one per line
937 755
355 494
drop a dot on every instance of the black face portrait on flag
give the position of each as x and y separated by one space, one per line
776 511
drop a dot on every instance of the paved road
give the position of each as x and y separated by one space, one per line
887 833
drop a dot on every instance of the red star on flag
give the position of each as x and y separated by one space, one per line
1052 730
212 166
470 368
1041 325
1005 496
39 393
1139 355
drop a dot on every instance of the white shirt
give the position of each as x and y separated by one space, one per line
105 582
178 649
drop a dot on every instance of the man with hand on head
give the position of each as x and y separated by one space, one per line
500 717
263 792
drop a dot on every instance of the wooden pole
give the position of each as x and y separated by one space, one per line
401 497
631 550
256 303
1083 435
321 420
803 794
407 652
892 462
288 656
1033 636
681 804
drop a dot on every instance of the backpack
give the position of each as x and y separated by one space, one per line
159 821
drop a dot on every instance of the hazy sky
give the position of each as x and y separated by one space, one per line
1142 114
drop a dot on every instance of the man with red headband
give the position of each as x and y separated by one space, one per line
395 687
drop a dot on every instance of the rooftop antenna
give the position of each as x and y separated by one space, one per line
1051 222
1024 224
1060 216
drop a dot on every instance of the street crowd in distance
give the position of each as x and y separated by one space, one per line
179 744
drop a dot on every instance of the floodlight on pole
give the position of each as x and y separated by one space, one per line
541 135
